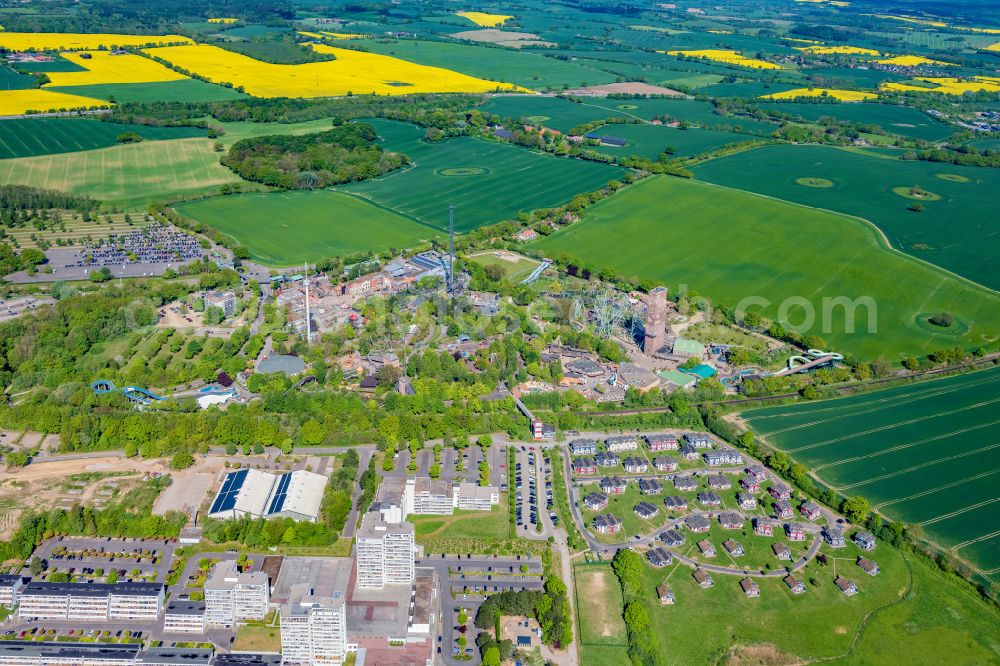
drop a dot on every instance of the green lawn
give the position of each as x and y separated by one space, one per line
931 623
600 606
476 525
515 267
28 137
487 182
187 90
959 231
730 245
257 638
905 472
130 175
285 228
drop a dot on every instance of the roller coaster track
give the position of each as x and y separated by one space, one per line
132 393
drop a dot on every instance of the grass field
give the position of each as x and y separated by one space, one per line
651 140
730 245
487 182
484 525
515 267
130 175
901 120
923 454
496 64
258 638
906 614
185 90
600 605
958 232
285 228
45 136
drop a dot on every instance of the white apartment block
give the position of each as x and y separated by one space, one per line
384 553
232 597
184 617
28 653
314 628
397 498
10 588
91 602
472 497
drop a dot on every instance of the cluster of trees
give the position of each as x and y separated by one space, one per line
343 154
130 516
25 198
643 646
550 607
265 533
276 48
336 504
963 154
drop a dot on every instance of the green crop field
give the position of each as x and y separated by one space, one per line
729 245
131 175
746 89
908 613
11 80
487 182
29 137
651 140
563 115
187 90
855 76
923 454
895 119
285 228
529 70
515 267
958 231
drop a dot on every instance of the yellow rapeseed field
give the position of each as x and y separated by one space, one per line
949 86
838 50
910 19
353 71
993 47
103 67
61 41
985 31
332 35
842 95
223 19
16 102
485 20
728 57
912 61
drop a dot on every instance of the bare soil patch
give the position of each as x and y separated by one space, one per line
627 87
760 655
503 38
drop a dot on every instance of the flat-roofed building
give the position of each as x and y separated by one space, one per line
10 587
247 659
91 602
184 616
31 653
232 596
384 553
176 656
259 494
473 497
314 617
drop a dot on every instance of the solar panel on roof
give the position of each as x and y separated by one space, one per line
279 495
226 499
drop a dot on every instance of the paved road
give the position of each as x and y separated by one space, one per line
364 458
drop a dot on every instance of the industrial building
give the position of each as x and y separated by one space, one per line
258 494
384 553
232 596
91 602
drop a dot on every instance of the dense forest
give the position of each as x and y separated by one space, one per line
340 155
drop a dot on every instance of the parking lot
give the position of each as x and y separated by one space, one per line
464 581
85 556
456 465
534 509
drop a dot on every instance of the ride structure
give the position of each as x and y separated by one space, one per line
135 394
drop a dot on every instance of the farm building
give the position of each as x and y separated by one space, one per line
257 494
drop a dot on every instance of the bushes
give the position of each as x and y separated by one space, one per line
642 644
